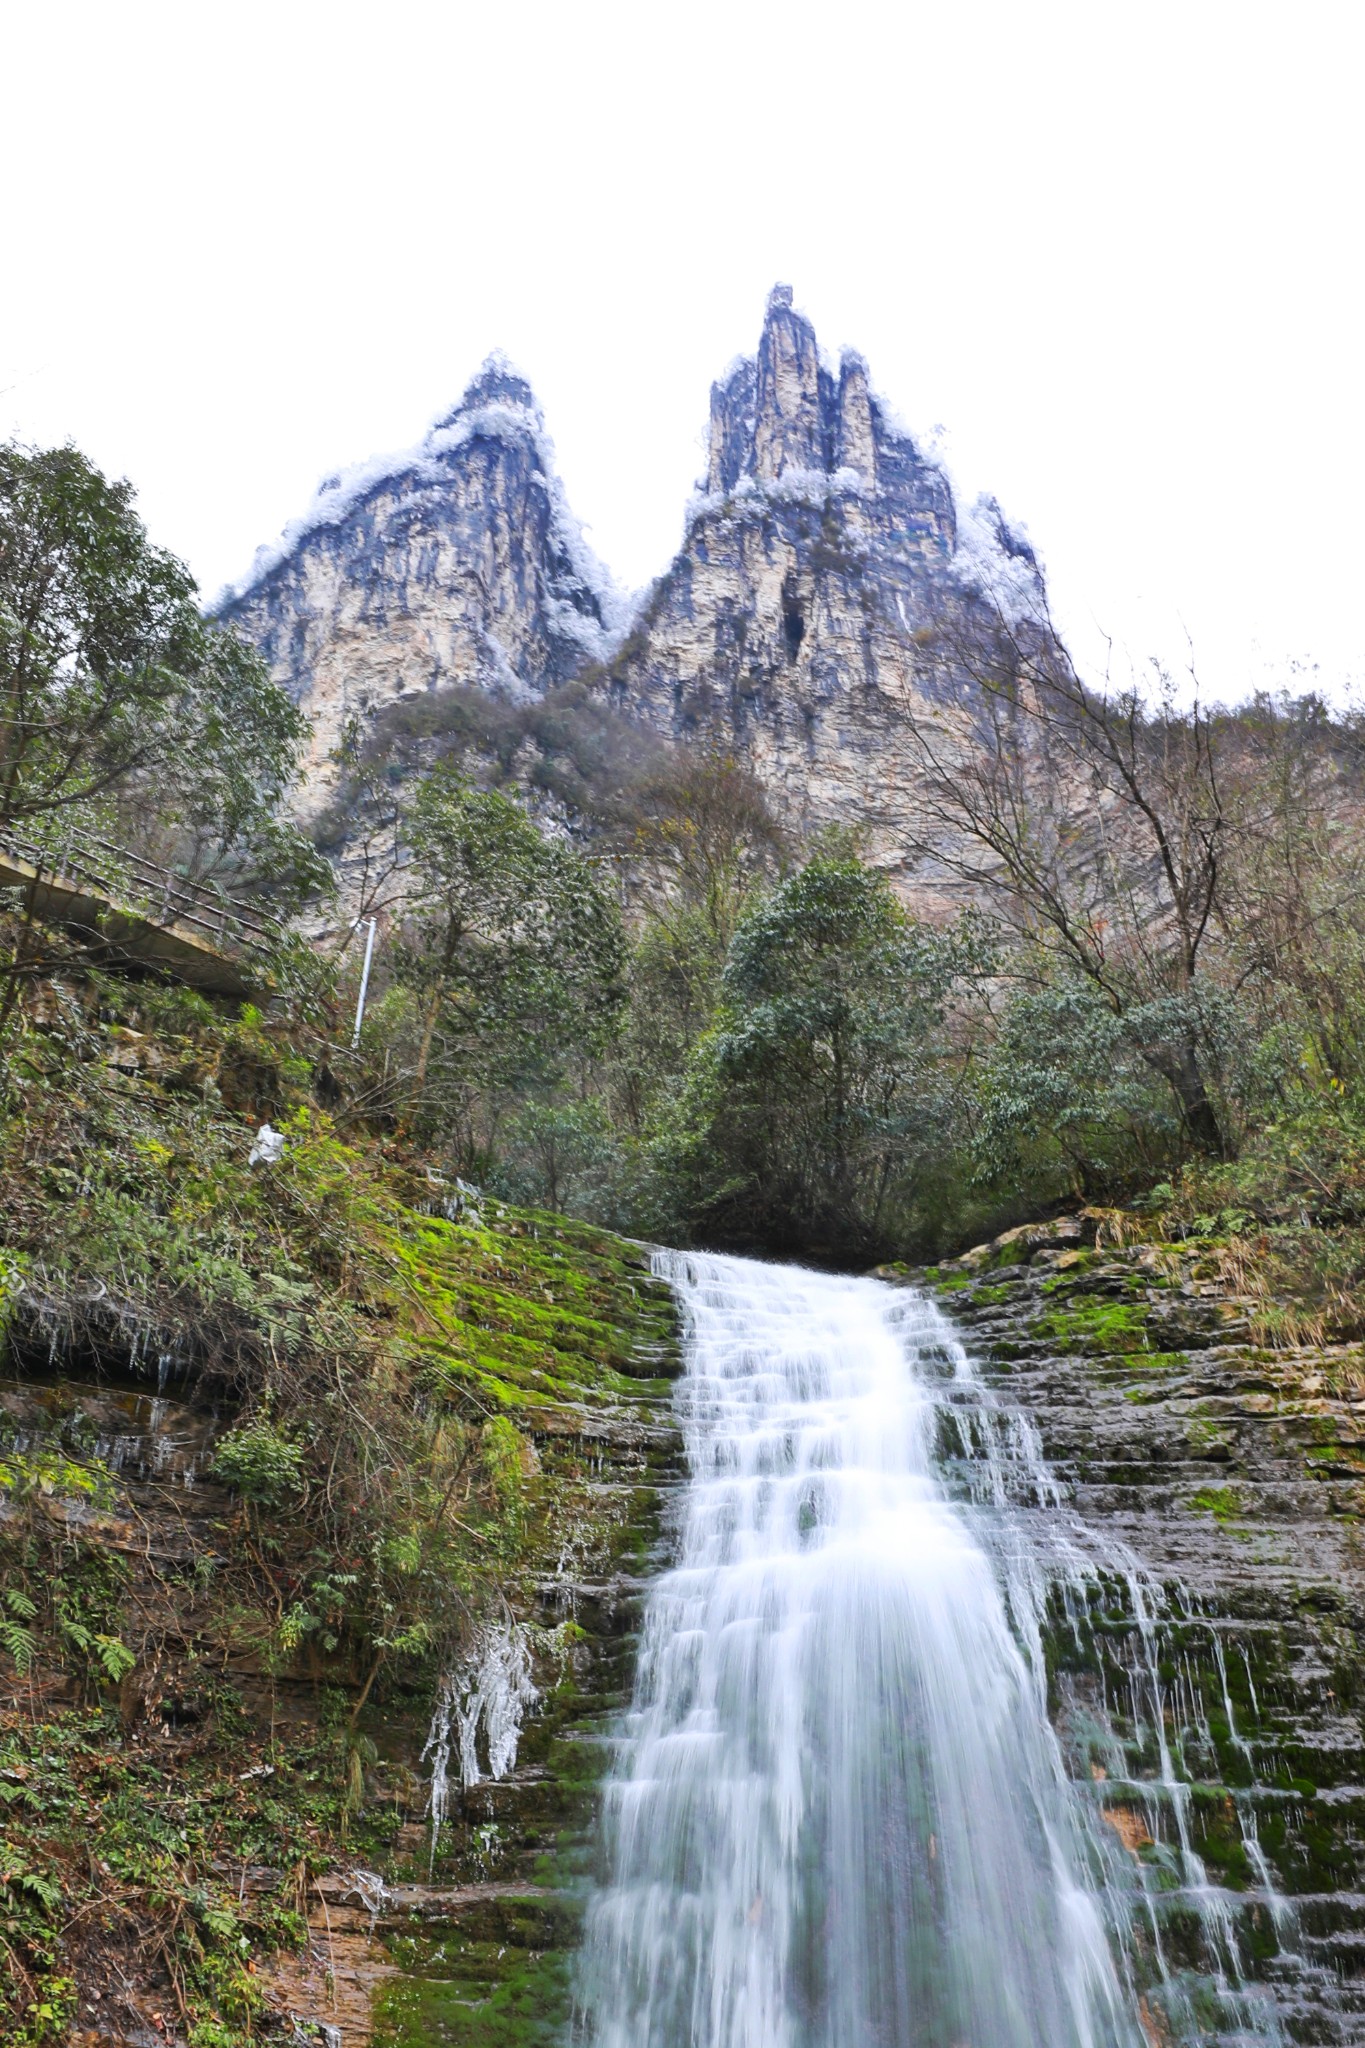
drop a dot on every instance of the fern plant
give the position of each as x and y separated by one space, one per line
19 1643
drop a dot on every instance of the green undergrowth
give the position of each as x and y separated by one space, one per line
1282 1225
115 1847
468 1994
1224 1503
396 1367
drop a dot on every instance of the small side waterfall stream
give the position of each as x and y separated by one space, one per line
841 1818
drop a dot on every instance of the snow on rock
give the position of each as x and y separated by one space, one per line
996 561
830 586
499 403
831 582
457 560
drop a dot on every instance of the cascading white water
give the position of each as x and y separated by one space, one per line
841 1818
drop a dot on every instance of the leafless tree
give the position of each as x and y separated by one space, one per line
702 833
1095 822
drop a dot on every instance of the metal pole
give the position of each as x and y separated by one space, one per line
364 984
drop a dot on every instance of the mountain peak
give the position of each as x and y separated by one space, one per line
497 381
825 550
786 413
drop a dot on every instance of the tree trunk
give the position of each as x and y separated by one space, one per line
1180 1067
424 1054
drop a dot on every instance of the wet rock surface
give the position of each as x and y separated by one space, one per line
111 1462
1221 1716
470 1940
1225 1480
1221 1476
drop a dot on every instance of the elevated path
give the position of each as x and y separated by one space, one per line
131 913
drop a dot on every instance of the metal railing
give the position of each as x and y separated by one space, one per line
131 883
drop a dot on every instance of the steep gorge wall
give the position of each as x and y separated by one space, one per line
826 583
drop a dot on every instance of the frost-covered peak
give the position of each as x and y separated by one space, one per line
497 382
996 560
498 404
792 409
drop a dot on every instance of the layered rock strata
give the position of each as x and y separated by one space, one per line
1212 1682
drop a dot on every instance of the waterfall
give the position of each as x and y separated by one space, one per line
841 1817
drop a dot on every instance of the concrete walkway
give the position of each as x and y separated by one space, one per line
132 913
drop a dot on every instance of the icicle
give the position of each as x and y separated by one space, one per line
488 1693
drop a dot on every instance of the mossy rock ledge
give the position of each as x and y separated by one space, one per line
1233 1468
481 1935
235 1765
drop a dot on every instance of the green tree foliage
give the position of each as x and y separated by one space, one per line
560 1153
1177 938
1069 1104
259 1462
513 947
119 705
815 1103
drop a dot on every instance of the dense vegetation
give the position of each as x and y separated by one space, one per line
381 1352
190 1668
609 983
1159 976
123 712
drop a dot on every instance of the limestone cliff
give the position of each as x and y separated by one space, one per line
823 568
456 561
813 601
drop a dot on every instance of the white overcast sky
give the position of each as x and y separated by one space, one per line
1113 250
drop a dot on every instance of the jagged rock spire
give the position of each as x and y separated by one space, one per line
784 412
789 430
496 382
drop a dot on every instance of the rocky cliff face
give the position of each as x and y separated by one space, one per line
1208 1693
815 595
454 561
810 606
